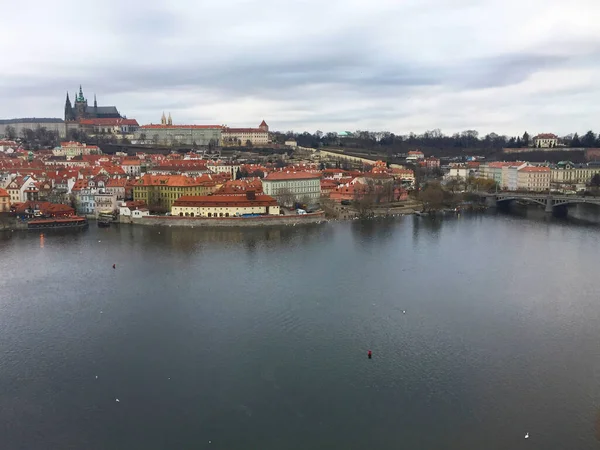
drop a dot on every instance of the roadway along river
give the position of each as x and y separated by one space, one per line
258 339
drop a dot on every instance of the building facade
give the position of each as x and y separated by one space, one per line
4 201
108 126
104 201
545 140
242 137
159 191
288 187
169 134
15 127
225 205
533 178
71 148
568 175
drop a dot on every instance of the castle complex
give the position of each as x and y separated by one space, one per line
80 109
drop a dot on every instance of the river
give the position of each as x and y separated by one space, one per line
483 328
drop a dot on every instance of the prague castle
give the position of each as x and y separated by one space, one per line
80 109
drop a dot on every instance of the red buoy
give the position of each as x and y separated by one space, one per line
369 354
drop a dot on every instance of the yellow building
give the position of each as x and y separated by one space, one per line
533 178
568 174
161 191
225 205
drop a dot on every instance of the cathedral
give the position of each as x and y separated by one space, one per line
80 109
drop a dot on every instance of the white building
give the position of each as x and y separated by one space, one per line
242 136
223 167
288 187
104 201
510 176
132 167
71 149
545 140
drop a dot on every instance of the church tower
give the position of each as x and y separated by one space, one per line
263 126
170 121
80 105
69 115
163 119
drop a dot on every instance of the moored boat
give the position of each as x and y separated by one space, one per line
57 223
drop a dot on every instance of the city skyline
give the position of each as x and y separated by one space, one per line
492 66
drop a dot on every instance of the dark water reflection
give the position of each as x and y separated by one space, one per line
258 338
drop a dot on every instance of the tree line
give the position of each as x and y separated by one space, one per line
468 139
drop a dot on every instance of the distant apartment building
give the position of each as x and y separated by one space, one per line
458 172
104 202
532 178
236 137
225 205
288 187
432 162
414 156
568 175
71 149
510 176
493 170
229 168
545 140
168 134
132 167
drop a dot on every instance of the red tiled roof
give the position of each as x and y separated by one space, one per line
243 130
276 176
535 169
224 200
546 136
108 122
4 193
167 180
152 126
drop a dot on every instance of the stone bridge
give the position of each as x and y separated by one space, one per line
548 201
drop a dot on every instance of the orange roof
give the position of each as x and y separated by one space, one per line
224 200
131 162
167 180
152 126
4 193
108 122
243 130
116 182
535 169
277 176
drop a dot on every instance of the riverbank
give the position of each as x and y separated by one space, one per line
191 222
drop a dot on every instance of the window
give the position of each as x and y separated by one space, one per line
209 214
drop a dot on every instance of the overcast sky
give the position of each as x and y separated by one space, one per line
397 65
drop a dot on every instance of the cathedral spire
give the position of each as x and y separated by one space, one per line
170 122
163 119
95 102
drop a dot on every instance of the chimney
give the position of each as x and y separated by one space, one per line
251 195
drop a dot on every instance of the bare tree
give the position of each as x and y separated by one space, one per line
286 197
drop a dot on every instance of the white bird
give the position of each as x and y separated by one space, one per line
117 400
99 241
526 435
100 312
403 312
96 377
